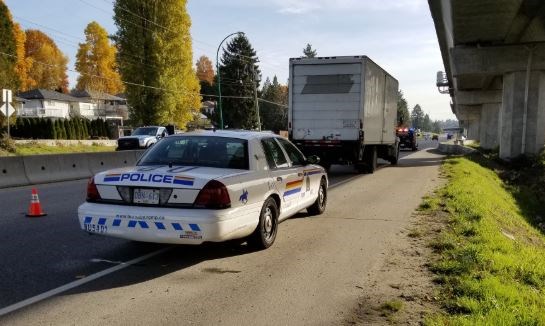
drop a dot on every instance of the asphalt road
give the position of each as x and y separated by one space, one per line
41 254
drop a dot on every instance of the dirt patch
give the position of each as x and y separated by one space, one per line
401 291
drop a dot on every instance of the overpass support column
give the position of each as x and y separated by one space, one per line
470 116
489 129
522 116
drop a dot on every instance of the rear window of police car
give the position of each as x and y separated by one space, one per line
217 152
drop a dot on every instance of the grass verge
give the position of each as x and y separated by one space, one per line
37 149
490 258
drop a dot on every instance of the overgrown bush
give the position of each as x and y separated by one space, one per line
7 144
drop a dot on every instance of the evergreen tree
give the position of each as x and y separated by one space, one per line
72 126
66 124
34 131
241 74
52 134
27 131
309 52
166 61
84 128
426 124
88 127
77 128
64 132
274 116
417 117
403 116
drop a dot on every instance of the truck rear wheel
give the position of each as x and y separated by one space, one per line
369 163
395 158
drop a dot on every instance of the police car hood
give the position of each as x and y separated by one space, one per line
192 177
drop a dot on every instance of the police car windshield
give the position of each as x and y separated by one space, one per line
209 151
148 131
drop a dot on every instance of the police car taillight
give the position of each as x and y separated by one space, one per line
214 195
92 191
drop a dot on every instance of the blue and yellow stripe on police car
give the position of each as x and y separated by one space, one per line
293 187
186 181
112 177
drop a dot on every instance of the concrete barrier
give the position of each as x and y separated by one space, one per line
99 162
454 149
12 172
53 168
35 169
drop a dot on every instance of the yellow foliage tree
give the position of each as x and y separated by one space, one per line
23 64
95 61
205 70
162 42
49 64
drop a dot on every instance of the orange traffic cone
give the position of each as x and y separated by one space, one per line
35 208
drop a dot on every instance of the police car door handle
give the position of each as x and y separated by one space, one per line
279 179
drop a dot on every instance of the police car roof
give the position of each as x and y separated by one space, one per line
242 134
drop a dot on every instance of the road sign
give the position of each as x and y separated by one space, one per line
10 109
6 95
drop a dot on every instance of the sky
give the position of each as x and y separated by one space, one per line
399 35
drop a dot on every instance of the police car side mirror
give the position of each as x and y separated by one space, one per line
313 159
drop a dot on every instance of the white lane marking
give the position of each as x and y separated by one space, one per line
77 283
99 260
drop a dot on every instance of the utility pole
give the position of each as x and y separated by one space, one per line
256 102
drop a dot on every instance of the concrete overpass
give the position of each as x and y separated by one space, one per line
494 57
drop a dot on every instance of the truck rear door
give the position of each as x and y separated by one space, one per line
326 101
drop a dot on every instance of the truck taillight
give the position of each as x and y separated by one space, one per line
214 195
92 191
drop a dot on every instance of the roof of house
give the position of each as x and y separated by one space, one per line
45 94
95 95
19 99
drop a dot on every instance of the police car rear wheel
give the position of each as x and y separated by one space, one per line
265 233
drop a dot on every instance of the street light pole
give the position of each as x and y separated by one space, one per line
219 75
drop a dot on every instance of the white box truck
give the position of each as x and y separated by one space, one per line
344 110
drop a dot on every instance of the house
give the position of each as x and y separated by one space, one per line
109 107
18 103
51 104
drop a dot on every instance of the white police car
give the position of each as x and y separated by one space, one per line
206 186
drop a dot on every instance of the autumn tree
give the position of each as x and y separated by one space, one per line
239 75
49 64
155 52
309 52
95 61
23 65
8 45
274 111
205 70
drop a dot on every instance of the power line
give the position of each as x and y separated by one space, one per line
139 85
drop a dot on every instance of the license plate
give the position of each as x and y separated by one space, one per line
146 196
95 228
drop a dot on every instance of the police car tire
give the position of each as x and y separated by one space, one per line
321 201
268 219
